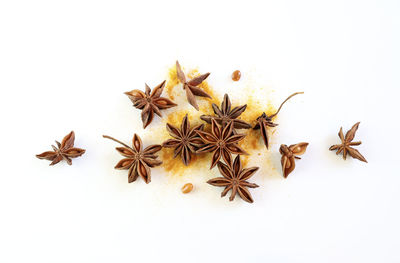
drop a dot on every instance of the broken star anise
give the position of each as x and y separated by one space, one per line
150 103
64 151
137 161
185 141
221 141
191 86
264 121
289 154
235 179
345 147
226 114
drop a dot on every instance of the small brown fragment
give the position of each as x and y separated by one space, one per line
187 188
236 75
289 154
264 121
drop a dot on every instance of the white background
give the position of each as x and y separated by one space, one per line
65 64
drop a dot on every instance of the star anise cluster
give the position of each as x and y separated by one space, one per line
63 151
220 139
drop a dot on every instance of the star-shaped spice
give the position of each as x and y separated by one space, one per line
347 142
226 114
221 141
289 154
64 151
264 121
235 179
186 141
150 102
137 161
191 87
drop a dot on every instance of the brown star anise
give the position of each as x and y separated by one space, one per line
137 161
150 103
221 141
345 147
64 151
226 114
235 179
264 121
186 141
191 86
289 156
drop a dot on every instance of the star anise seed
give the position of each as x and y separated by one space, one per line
137 161
191 87
226 114
347 142
235 179
221 141
264 121
64 151
185 141
289 154
150 102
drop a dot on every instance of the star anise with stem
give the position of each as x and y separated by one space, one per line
264 121
64 151
137 161
221 142
235 179
191 86
150 102
347 142
185 141
226 114
289 154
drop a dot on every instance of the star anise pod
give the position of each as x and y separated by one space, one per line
347 142
264 121
137 161
191 86
186 141
289 154
235 179
221 141
150 102
64 151
226 114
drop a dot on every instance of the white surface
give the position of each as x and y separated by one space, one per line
64 65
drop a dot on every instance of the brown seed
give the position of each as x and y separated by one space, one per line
236 75
187 188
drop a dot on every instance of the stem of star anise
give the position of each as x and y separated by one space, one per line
280 107
115 140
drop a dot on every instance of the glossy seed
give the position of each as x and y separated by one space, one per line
236 75
187 188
